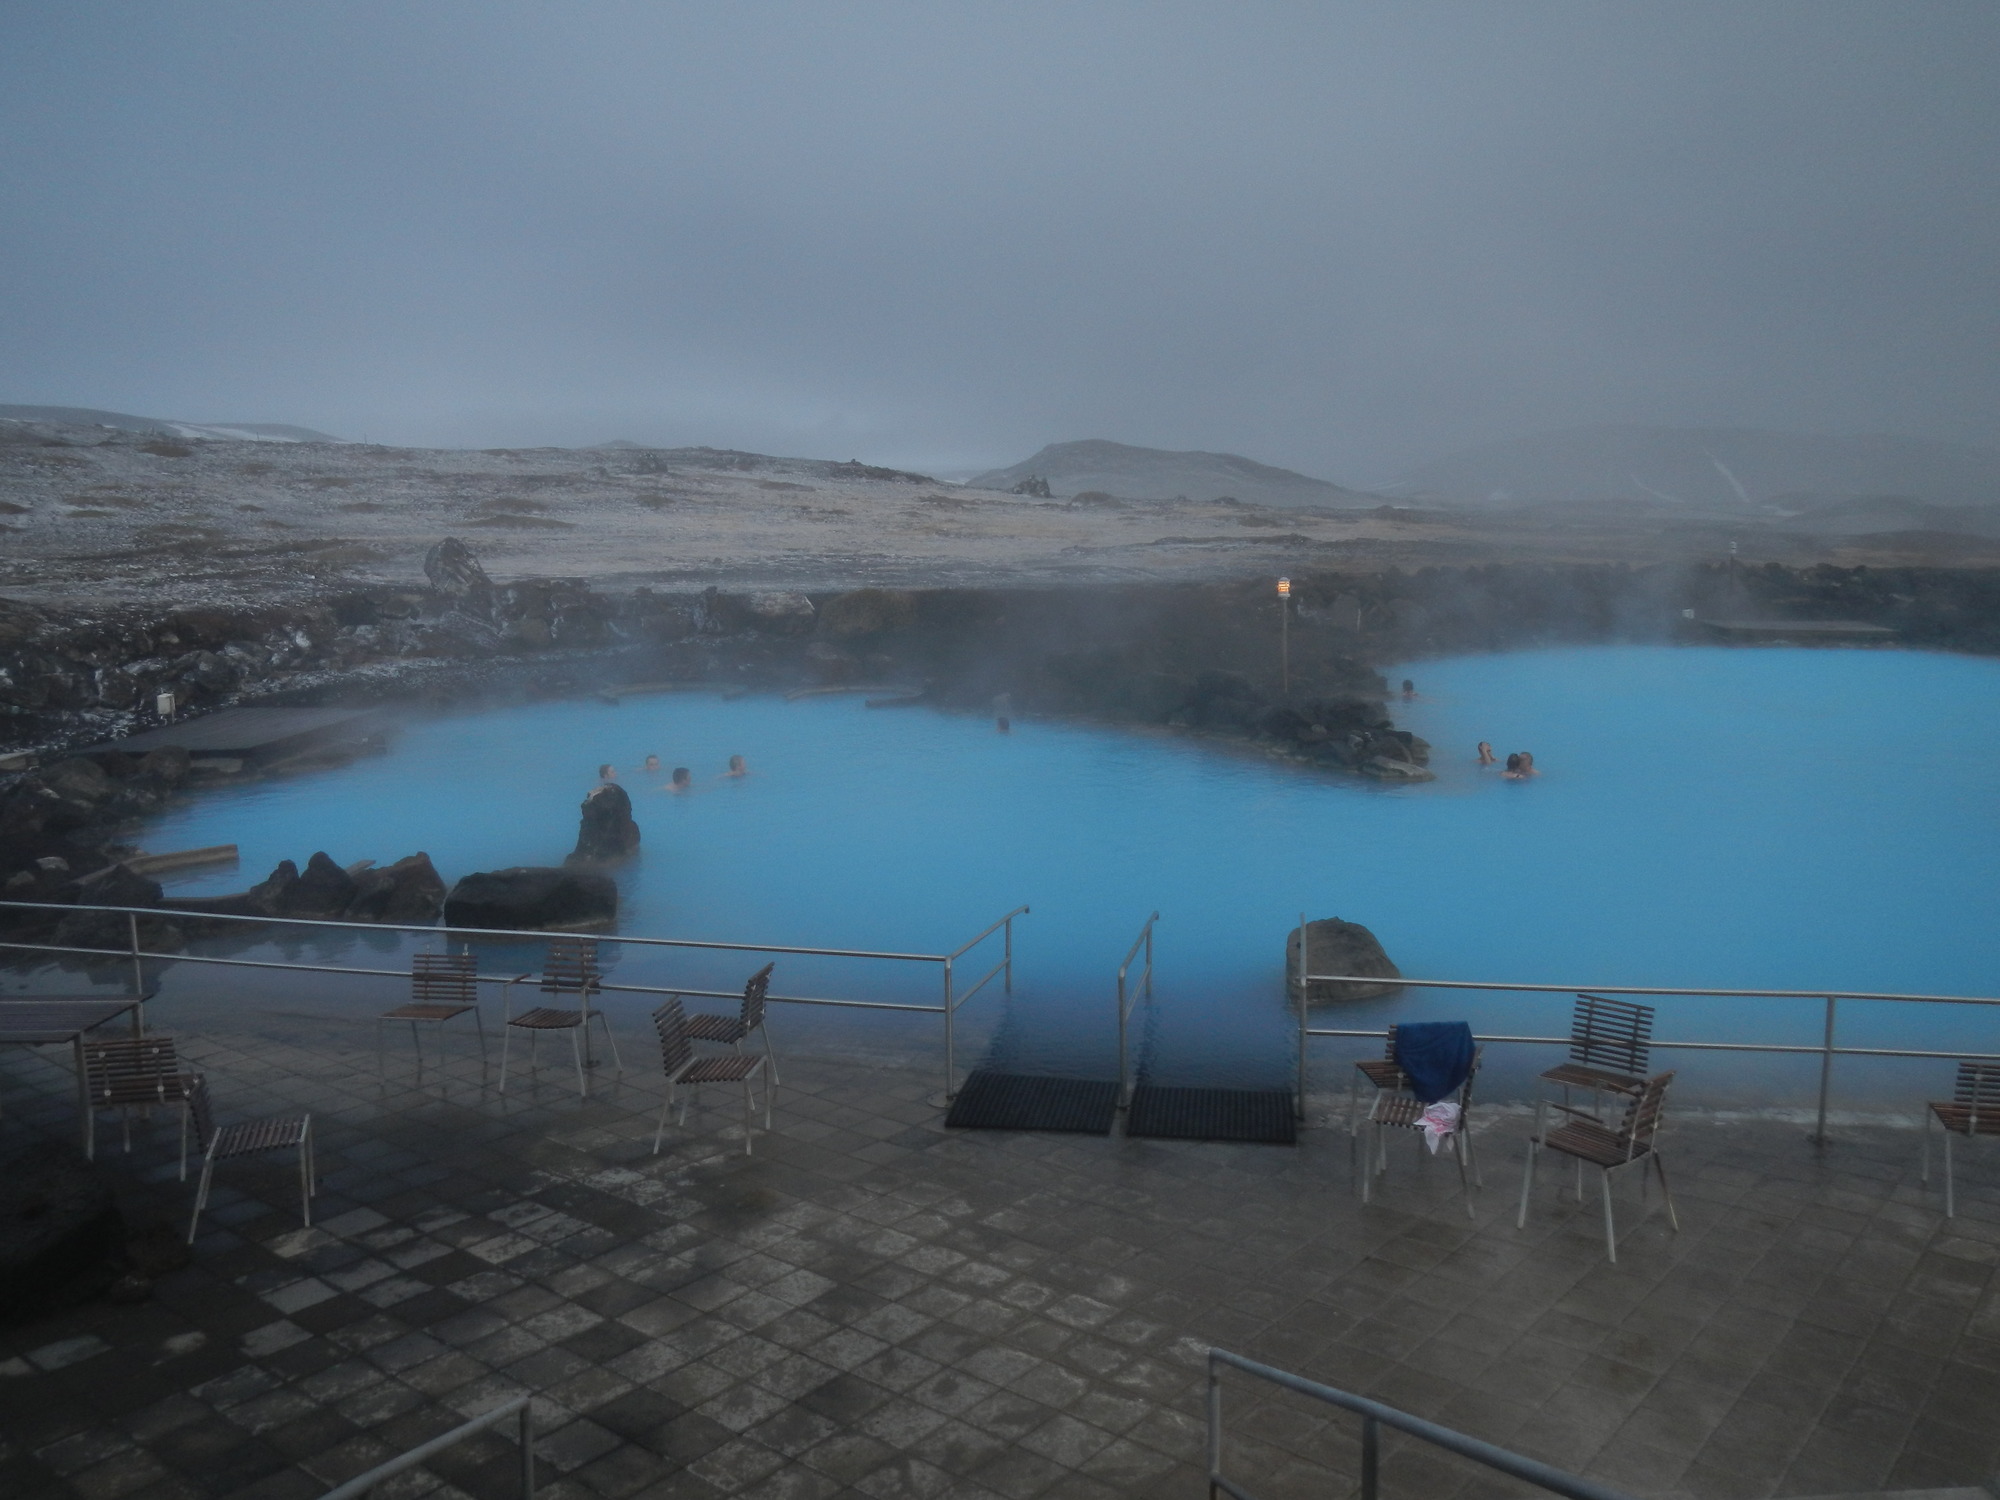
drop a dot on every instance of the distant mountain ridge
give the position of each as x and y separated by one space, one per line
1706 467
1159 474
242 432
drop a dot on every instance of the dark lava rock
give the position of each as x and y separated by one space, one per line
270 896
1337 947
607 830
60 1232
410 890
324 891
532 896
456 574
867 612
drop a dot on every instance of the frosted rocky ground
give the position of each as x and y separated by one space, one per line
95 516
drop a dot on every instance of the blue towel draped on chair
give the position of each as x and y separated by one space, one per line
1436 1056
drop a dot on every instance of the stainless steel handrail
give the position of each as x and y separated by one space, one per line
1143 940
953 999
363 1484
1825 1051
1375 1416
138 956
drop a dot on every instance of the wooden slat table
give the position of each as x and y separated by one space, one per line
52 1020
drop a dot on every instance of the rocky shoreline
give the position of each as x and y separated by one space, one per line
1188 658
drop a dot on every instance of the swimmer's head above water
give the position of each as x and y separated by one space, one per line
738 766
683 778
1486 752
652 765
607 772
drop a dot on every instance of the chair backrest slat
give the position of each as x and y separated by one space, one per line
118 1069
1643 1116
1978 1090
571 967
1615 1035
753 998
676 1046
444 979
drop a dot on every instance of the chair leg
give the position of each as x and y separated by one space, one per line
1458 1149
184 1140
611 1038
381 1052
479 1024
1610 1229
1666 1192
200 1195
576 1053
770 1087
660 1132
1471 1156
506 1041
747 1116
1950 1200
417 1041
1925 1176
305 1176
1527 1182
770 1057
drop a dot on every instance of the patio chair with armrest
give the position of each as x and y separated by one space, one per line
246 1138
1379 1073
1610 1049
443 987
683 1066
732 1031
570 969
1587 1140
1972 1110
127 1073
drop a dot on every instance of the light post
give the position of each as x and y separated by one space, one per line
1285 633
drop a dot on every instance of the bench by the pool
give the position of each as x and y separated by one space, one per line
1973 1109
733 1031
683 1066
1587 1140
443 987
570 969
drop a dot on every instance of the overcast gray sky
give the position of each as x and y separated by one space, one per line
1342 238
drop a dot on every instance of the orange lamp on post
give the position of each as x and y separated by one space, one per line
1285 632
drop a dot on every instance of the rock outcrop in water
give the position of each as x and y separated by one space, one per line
606 831
1337 947
408 891
533 897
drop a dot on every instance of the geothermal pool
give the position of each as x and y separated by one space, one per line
1705 817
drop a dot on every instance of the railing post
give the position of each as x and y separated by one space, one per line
950 1056
1299 1107
1008 983
138 975
1214 1428
1825 1073
1121 1039
1149 961
1371 1456
528 1451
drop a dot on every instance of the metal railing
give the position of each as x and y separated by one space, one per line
364 1484
1825 1050
953 998
1127 1000
1374 1417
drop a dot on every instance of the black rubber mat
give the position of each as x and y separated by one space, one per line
1012 1101
1213 1115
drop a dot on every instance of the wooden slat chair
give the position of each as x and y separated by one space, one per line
127 1073
1973 1109
443 987
570 969
732 1031
1586 1139
681 1064
1396 1108
1610 1050
1380 1074
247 1138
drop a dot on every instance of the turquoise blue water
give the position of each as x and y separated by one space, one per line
1705 817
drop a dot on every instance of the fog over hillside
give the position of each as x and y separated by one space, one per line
90 416
1706 467
1157 474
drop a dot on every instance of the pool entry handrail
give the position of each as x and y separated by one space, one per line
1127 999
953 997
1374 1417
1825 1050
363 1485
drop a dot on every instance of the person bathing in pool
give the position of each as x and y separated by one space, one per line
683 780
652 765
738 767
606 773
1486 752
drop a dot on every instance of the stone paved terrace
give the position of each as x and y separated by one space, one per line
873 1306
